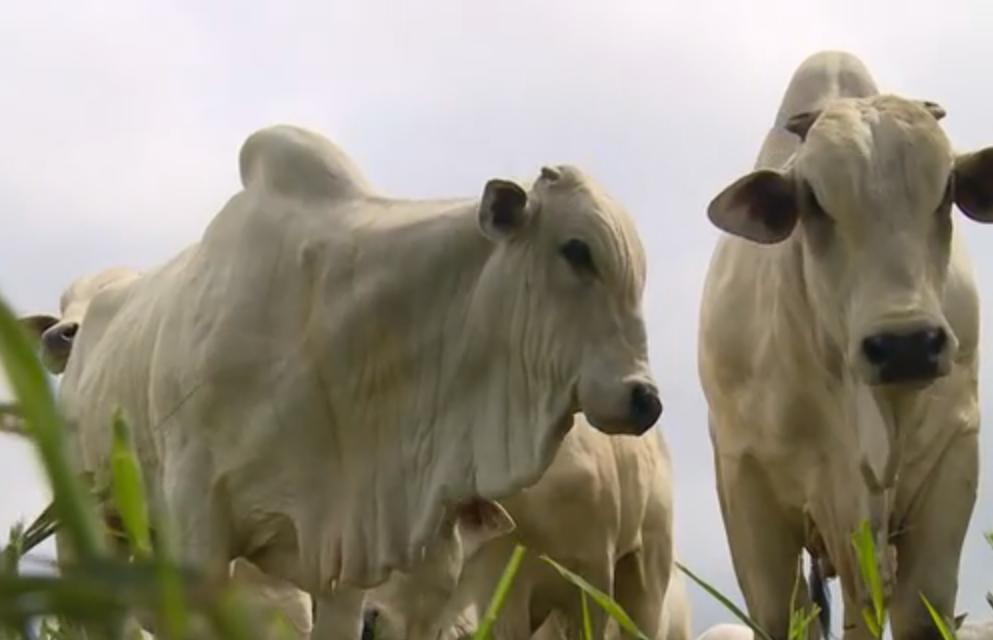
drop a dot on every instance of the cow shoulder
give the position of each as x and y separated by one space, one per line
295 162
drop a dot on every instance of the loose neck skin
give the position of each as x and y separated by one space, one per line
447 374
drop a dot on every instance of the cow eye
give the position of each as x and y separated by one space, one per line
577 253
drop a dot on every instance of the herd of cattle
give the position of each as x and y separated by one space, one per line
357 405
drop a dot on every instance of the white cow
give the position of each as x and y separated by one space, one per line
603 509
975 630
265 595
329 371
57 332
677 613
838 348
727 632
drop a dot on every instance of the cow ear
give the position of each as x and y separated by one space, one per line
760 207
38 323
479 521
936 110
503 211
974 184
801 123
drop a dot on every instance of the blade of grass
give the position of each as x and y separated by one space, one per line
587 621
42 528
27 379
606 603
13 551
865 551
128 488
799 620
943 627
724 600
500 595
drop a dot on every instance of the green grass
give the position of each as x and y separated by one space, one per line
865 550
94 595
97 594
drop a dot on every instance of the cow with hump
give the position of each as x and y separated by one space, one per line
329 372
838 348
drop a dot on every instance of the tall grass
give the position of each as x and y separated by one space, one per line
98 592
102 591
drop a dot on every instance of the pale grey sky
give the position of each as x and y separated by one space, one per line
122 120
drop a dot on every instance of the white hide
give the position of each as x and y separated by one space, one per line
328 371
842 238
603 508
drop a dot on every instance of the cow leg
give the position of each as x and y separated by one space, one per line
640 582
602 578
930 546
765 543
338 614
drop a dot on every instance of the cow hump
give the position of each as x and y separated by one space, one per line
297 162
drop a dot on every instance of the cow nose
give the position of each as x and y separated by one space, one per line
646 406
906 357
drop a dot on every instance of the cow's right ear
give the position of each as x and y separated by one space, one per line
38 323
761 207
479 521
504 210
974 184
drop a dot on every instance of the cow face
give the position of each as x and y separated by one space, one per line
57 333
867 201
576 265
414 605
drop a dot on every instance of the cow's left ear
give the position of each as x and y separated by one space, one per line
761 207
504 210
974 184
479 521
38 323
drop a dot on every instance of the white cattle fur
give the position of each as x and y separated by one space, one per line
267 597
265 594
975 630
327 371
677 613
807 444
727 632
603 509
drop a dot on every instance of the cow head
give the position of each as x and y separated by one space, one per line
416 605
867 199
576 265
57 333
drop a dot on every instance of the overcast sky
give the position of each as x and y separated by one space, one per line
121 122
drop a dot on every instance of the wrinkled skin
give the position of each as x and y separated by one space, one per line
838 348
603 508
328 374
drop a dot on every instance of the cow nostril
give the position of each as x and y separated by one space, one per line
935 341
876 349
645 404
